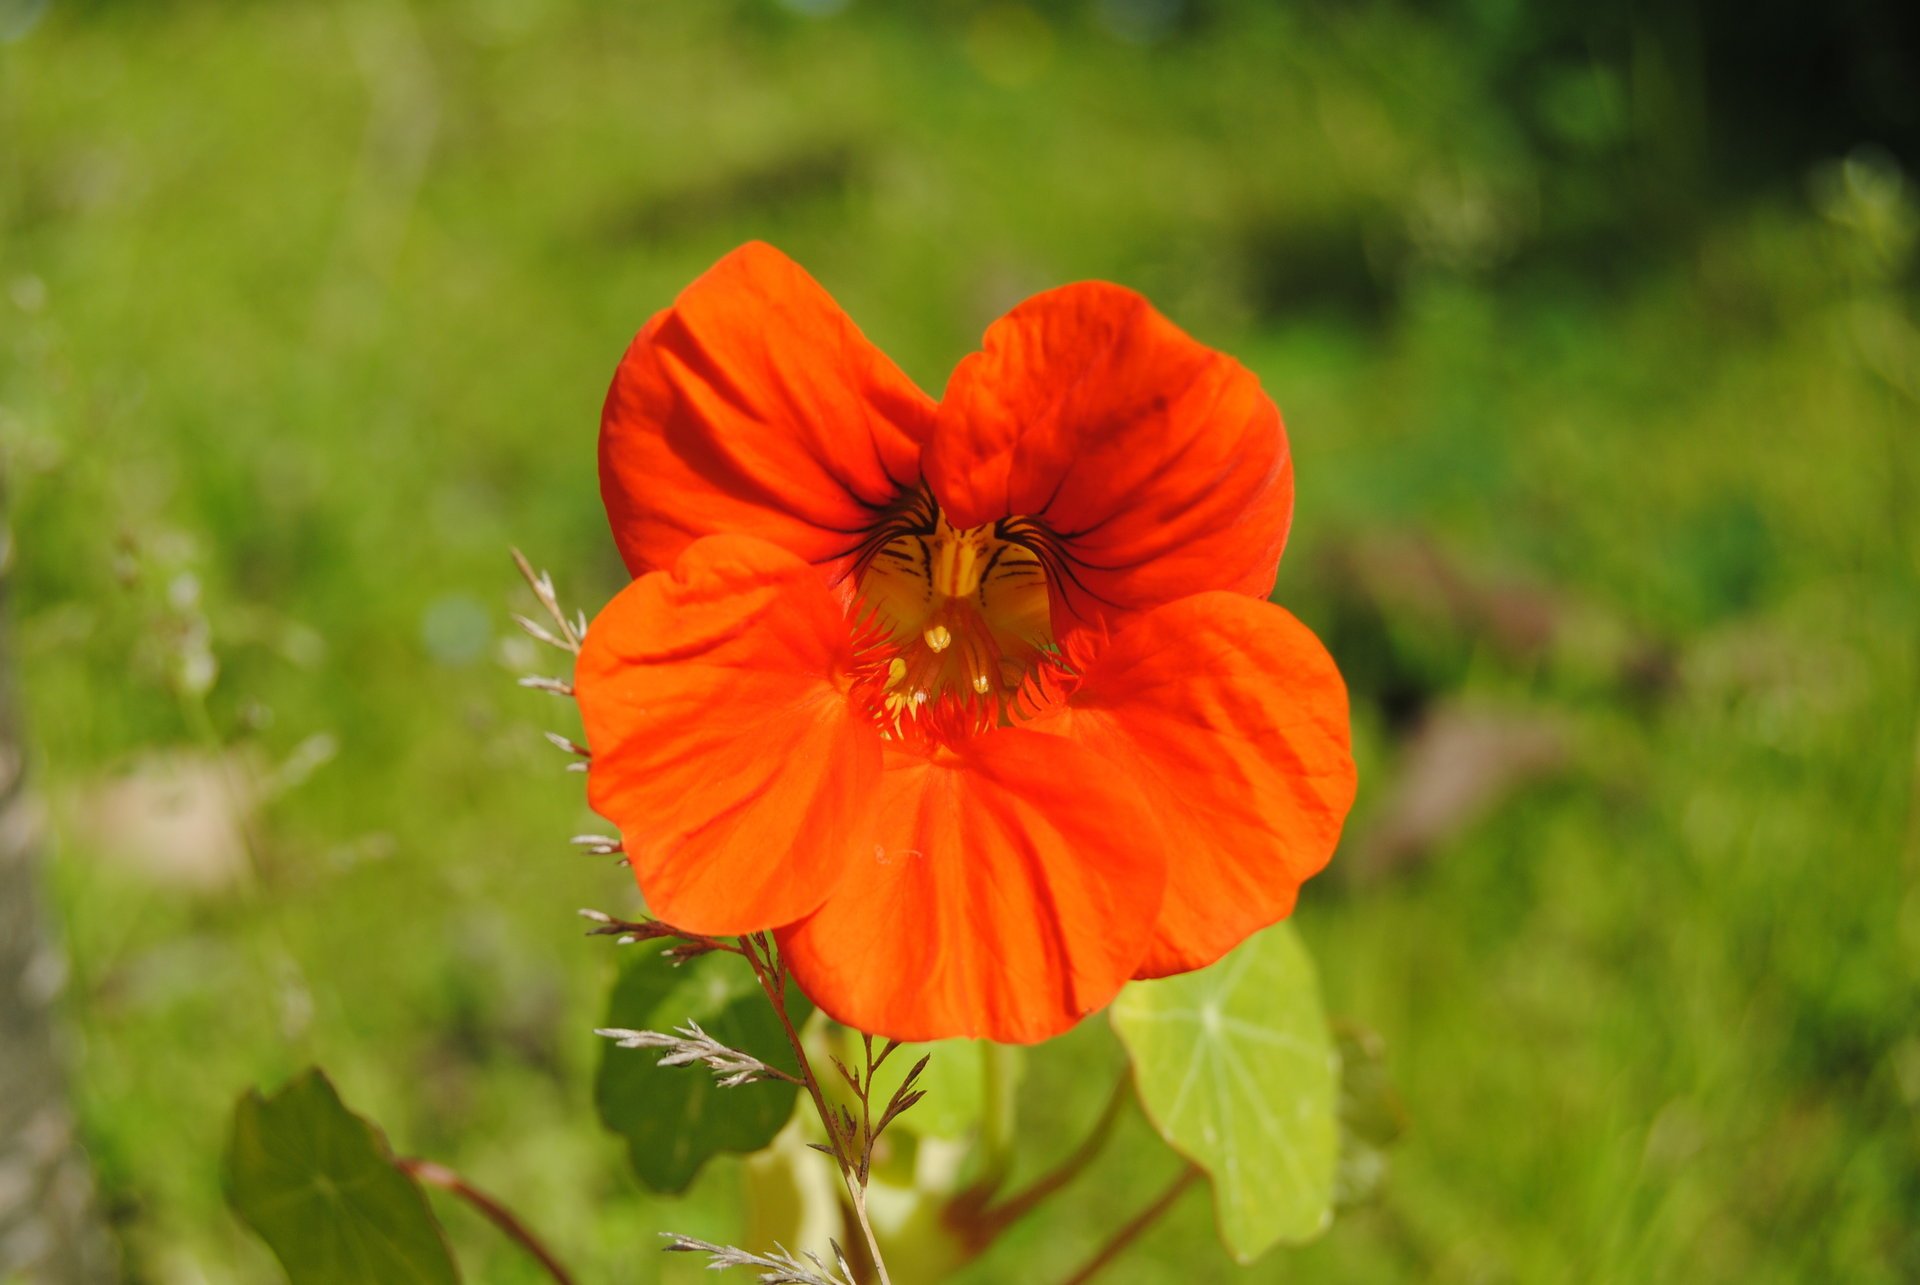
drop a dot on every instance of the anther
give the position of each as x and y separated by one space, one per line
938 637
981 684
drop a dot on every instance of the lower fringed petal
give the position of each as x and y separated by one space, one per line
1012 889
1231 719
725 746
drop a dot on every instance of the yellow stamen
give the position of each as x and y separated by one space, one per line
957 559
966 614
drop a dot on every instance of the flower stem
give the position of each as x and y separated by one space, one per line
1003 1215
997 1126
437 1175
771 974
1135 1226
859 1194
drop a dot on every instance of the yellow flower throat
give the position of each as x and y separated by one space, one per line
963 613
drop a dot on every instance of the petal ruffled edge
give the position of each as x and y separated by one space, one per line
755 405
1156 465
1233 720
724 744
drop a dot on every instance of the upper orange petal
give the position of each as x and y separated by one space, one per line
1159 466
724 743
755 405
1231 719
1011 891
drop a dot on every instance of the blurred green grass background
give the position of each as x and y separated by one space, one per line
1599 324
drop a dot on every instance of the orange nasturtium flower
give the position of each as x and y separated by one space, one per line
978 704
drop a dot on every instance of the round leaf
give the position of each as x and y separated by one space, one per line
319 1185
676 1118
1237 1070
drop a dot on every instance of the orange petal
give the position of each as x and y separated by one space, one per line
1156 462
1011 891
724 745
755 405
1232 719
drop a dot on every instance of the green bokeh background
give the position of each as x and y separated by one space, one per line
306 311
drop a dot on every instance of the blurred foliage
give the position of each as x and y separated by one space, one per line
306 309
319 1184
674 1120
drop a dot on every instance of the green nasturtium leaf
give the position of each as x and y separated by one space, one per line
319 1185
676 1118
1237 1070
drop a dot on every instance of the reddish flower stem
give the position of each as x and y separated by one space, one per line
987 1226
1135 1226
437 1175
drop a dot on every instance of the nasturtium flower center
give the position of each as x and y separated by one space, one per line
956 621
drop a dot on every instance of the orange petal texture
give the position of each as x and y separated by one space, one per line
1011 890
1158 464
1230 718
724 744
755 405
